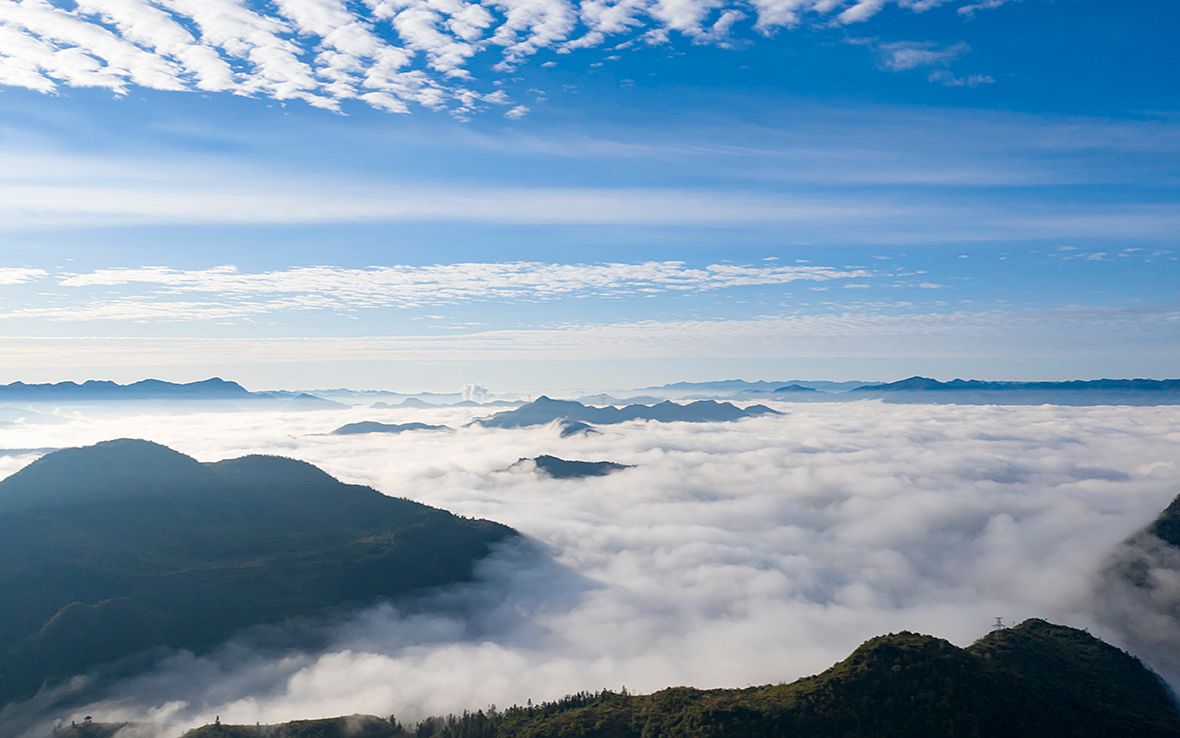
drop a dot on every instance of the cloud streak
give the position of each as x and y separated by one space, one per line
20 275
404 286
389 54
732 554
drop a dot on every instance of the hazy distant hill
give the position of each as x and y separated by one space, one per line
155 390
1074 392
572 428
737 386
545 410
1036 679
370 426
304 401
607 399
557 468
114 548
148 389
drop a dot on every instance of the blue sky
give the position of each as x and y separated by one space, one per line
580 195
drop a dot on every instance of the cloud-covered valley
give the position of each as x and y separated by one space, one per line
732 554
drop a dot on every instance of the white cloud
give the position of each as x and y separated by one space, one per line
733 554
862 10
973 8
901 56
59 192
234 293
849 330
66 200
517 112
19 275
949 79
386 53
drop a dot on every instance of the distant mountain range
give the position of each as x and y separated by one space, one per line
147 389
109 550
155 390
414 402
369 426
1035 679
738 386
545 410
607 399
925 384
1074 392
557 468
912 389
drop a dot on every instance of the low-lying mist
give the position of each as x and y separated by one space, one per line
732 554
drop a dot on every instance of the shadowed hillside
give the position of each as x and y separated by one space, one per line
1037 679
127 545
1138 592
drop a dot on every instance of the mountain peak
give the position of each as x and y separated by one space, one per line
104 472
559 468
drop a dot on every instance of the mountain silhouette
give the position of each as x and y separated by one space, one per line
545 410
127 545
214 388
371 426
1072 392
557 468
571 428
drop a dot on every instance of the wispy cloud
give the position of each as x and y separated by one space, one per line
855 330
900 56
389 54
18 275
972 8
946 77
230 293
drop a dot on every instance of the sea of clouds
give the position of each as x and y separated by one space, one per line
731 555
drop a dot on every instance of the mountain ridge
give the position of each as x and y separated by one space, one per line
545 410
927 384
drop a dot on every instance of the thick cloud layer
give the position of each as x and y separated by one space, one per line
733 554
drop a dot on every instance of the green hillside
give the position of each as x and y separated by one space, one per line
1037 679
126 545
